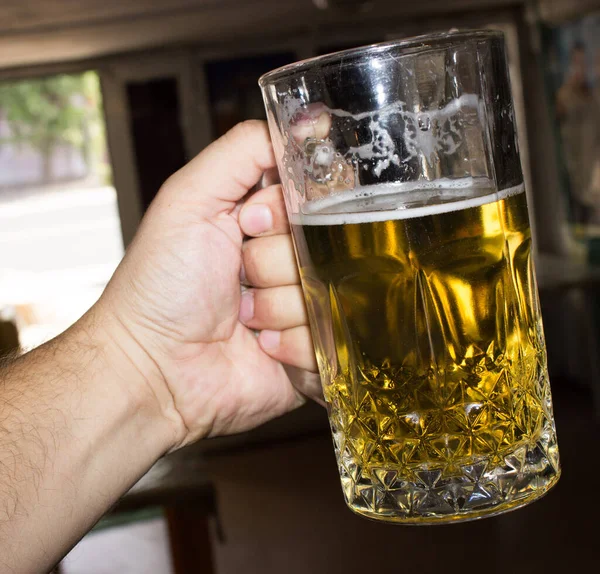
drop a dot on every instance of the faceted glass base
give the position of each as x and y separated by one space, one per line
474 490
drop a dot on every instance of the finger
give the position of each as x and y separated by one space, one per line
291 347
276 308
270 177
264 213
309 384
312 121
224 172
269 262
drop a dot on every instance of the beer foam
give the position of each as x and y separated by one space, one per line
426 133
419 137
359 205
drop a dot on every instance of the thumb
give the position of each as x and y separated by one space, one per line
224 172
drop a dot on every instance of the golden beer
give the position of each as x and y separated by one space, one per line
427 330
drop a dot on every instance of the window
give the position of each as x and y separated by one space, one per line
60 236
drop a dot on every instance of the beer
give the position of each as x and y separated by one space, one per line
427 331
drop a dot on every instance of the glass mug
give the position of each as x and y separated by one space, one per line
403 186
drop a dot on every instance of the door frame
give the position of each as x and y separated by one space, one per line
194 119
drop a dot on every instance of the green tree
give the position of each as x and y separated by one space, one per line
43 112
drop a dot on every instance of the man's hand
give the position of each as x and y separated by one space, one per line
175 299
166 356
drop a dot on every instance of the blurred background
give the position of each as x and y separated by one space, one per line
101 100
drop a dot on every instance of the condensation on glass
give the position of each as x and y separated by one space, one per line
404 189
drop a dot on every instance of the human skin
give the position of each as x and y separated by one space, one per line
168 355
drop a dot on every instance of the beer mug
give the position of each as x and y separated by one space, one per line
403 186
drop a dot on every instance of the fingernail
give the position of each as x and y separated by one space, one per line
257 219
270 339
247 306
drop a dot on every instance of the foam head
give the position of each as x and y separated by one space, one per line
389 202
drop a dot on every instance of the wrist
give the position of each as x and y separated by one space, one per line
136 375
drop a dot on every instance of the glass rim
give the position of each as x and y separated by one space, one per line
437 39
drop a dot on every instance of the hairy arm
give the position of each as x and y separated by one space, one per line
70 412
166 357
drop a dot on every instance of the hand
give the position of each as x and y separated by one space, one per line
174 302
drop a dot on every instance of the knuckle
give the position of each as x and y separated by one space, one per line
299 304
253 268
170 185
273 195
247 128
291 260
276 307
266 306
276 190
283 306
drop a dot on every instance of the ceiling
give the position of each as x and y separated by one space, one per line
34 32
27 15
42 31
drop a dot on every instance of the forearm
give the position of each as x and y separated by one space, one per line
79 424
